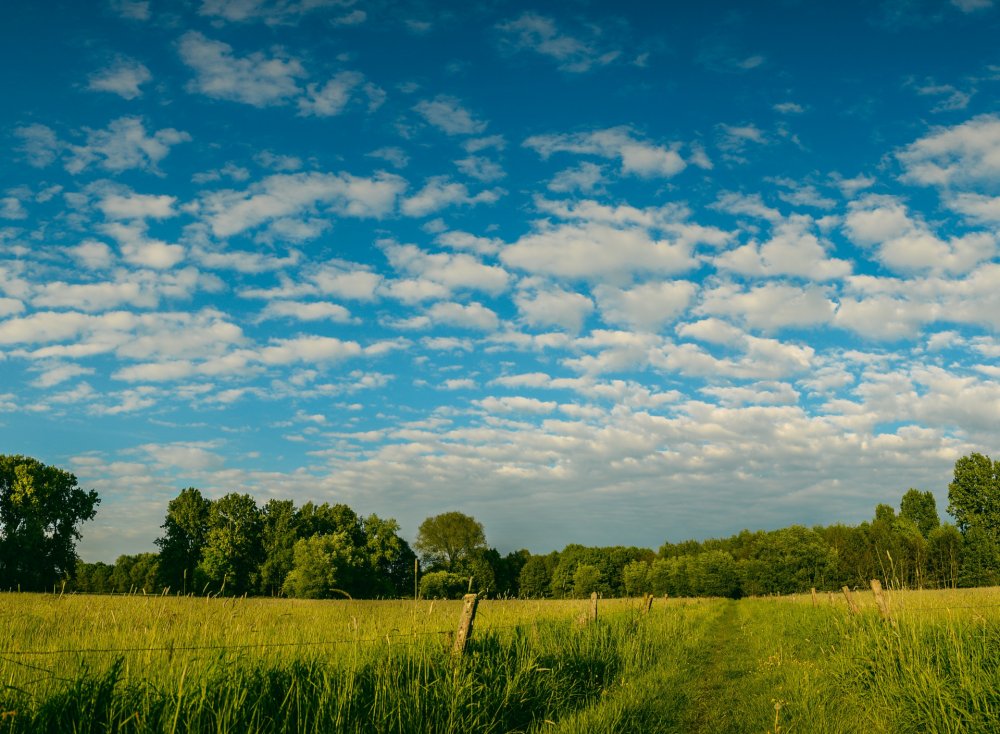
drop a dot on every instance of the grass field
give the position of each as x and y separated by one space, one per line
165 664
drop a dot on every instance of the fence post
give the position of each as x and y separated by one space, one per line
649 604
815 600
883 603
851 604
593 606
469 604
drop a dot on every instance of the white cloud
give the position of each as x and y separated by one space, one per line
771 306
792 250
516 404
466 241
56 373
906 244
131 9
137 206
638 157
468 316
551 306
139 249
538 33
10 306
12 208
39 144
966 154
124 77
454 271
255 79
92 254
977 207
307 311
449 116
647 307
481 168
440 192
333 97
592 251
123 145
587 177
231 212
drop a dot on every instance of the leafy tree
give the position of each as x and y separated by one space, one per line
944 555
586 580
446 539
325 566
389 559
40 509
92 577
443 585
534 579
635 577
716 574
183 541
232 551
326 519
279 533
974 494
920 509
138 573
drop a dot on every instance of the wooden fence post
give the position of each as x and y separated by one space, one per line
593 606
851 604
815 600
469 604
883 603
649 604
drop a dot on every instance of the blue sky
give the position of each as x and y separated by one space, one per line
591 272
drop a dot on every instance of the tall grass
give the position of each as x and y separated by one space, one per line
757 665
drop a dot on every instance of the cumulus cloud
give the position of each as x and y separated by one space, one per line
124 77
793 249
648 307
769 307
439 193
553 306
123 145
594 251
453 271
906 244
255 79
449 116
273 12
962 155
230 212
638 157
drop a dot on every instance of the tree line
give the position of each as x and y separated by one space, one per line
234 546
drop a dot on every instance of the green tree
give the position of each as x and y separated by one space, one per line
136 573
586 580
41 508
443 585
974 494
279 533
232 553
444 540
325 566
945 555
920 509
635 577
534 579
183 541
388 558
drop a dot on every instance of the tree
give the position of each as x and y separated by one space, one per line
232 551
40 510
974 494
325 566
920 509
446 539
183 541
533 581
388 558
586 580
635 577
443 585
278 537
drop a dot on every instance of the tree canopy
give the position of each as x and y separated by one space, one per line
447 539
41 508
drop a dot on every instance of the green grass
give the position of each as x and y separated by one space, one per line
757 665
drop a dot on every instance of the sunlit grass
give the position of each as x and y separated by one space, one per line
248 665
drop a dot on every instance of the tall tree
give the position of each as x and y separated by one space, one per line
280 531
232 553
446 539
388 557
325 566
183 541
974 494
41 508
921 509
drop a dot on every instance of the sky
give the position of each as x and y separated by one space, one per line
611 273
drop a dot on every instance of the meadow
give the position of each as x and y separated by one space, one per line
76 663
